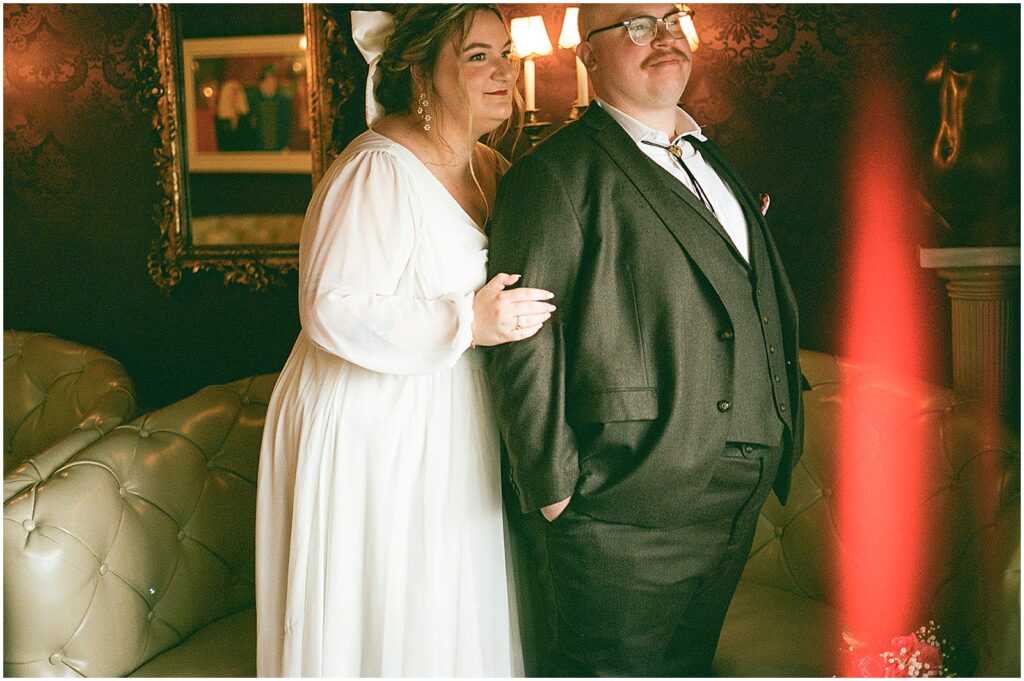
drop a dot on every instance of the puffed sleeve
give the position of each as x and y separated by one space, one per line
357 242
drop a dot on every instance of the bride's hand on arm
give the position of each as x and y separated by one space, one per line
500 316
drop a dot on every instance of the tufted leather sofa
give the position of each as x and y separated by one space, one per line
59 397
785 619
135 557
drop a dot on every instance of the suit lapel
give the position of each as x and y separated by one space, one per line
682 213
783 291
714 157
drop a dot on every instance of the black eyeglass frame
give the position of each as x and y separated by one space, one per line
682 13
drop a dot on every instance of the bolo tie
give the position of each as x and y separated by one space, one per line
677 153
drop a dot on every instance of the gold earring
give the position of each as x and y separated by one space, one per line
421 111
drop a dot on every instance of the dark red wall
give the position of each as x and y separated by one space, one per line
772 82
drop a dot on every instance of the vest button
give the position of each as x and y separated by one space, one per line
725 335
764 318
782 407
771 348
724 406
776 378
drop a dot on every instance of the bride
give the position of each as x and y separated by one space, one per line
380 542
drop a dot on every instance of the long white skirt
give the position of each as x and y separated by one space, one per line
380 537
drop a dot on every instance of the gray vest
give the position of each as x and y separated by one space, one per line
760 400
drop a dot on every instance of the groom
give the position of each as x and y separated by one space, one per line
650 418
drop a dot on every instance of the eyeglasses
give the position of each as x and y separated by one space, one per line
643 30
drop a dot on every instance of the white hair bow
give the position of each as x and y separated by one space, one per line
369 31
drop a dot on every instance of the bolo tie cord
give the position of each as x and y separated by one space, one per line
677 153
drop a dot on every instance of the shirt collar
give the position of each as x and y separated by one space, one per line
641 131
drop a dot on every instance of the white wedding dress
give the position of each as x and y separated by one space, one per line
380 541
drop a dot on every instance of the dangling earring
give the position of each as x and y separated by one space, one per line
421 111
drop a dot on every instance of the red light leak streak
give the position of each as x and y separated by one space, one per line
880 452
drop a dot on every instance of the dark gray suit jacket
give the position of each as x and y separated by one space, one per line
616 399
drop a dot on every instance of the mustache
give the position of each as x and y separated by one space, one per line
659 56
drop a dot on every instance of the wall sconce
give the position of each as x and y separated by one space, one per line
530 37
568 40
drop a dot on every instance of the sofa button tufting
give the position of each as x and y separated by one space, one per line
247 399
143 432
122 491
778 531
56 658
29 525
151 616
210 465
181 535
103 569
827 492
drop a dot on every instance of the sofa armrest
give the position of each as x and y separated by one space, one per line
41 466
53 388
138 541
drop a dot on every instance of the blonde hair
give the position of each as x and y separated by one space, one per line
232 102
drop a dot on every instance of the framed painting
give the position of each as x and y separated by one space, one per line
247 104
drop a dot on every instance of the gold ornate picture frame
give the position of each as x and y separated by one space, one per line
331 81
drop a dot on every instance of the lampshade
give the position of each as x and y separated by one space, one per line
530 37
570 36
690 31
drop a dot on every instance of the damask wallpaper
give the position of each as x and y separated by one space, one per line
775 85
68 99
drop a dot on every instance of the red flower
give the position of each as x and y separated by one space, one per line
918 654
928 654
871 666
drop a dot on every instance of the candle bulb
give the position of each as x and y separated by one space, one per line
582 84
569 39
530 81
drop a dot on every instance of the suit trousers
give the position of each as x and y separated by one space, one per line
642 601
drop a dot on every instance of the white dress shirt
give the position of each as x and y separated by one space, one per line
727 208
